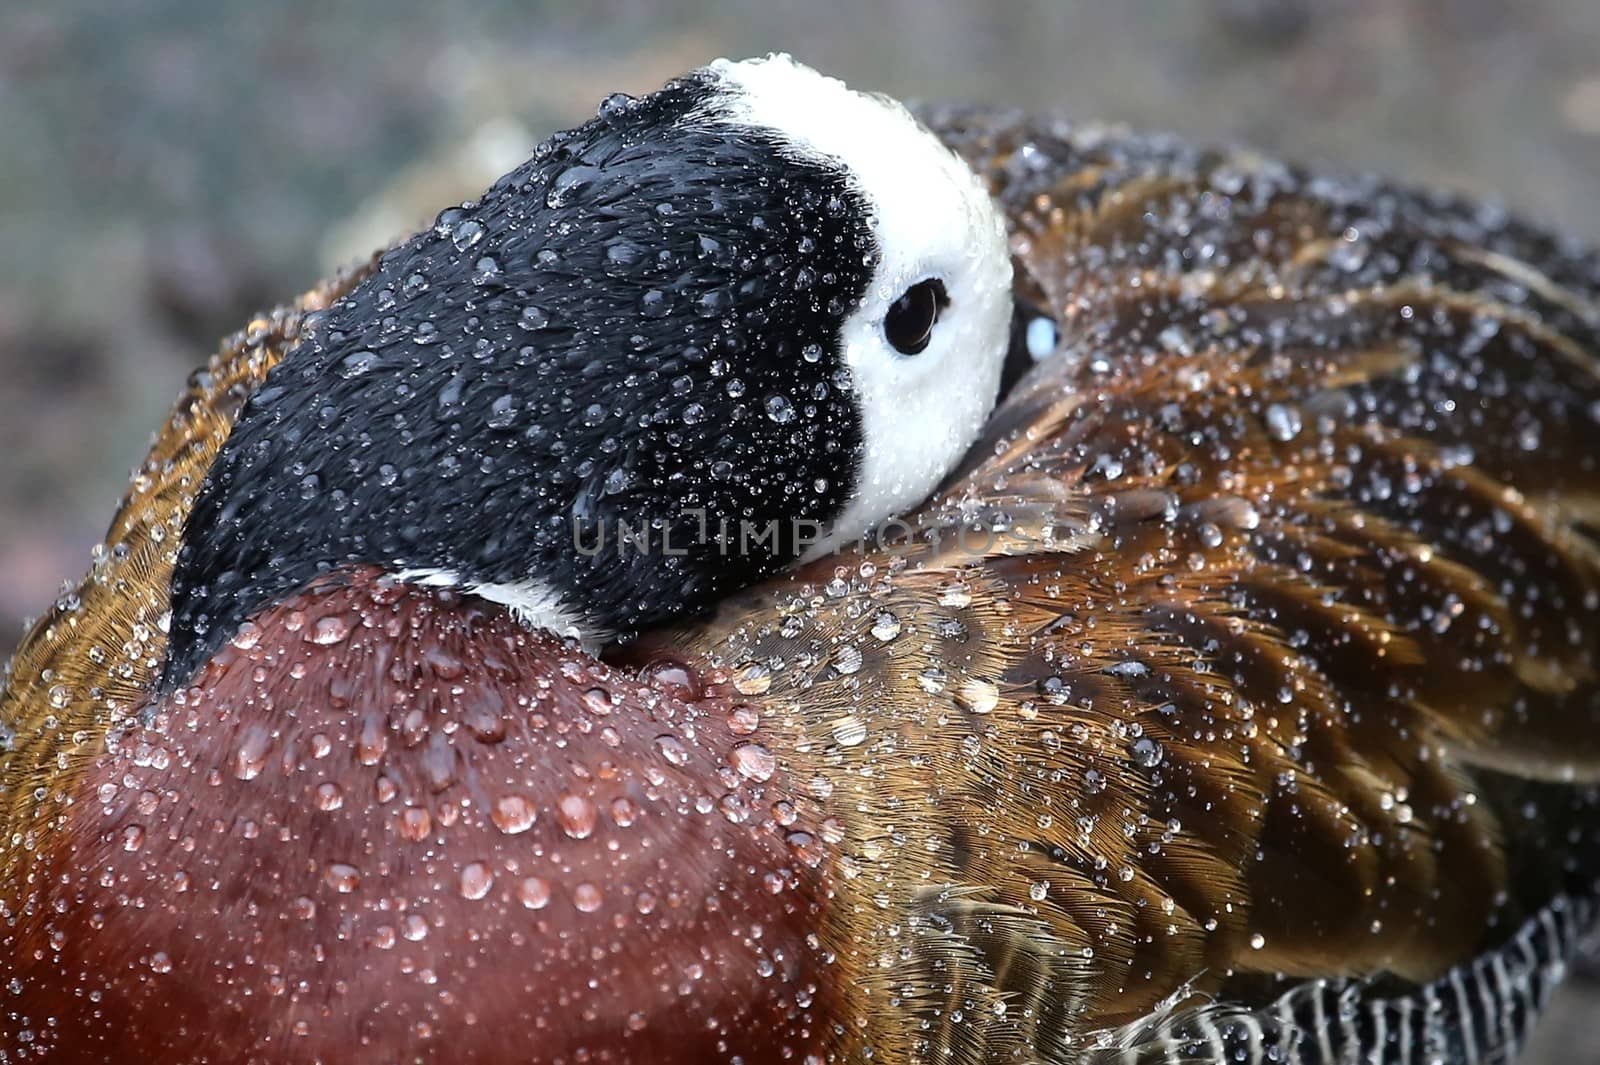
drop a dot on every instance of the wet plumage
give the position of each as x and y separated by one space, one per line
1253 646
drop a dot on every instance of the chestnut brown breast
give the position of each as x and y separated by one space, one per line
384 817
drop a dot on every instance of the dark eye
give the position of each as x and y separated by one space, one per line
909 323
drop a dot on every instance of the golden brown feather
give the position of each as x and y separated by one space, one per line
90 661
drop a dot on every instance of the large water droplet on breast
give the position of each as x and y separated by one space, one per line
415 823
250 756
672 749
534 892
576 815
342 877
587 897
475 880
512 814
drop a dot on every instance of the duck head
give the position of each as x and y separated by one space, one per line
749 315
375 805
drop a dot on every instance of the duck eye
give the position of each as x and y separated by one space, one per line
909 323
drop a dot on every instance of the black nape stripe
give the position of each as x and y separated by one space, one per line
635 328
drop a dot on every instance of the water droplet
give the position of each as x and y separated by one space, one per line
414 927
586 897
576 815
357 363
569 184
886 626
848 659
484 719
597 701
743 720
534 892
328 796
415 823
956 594
1258 941
513 814
1038 890
485 270
849 731
503 412
1283 422
1177 340
714 302
330 630
250 757
342 877
623 812
623 257
615 104
373 740
1147 752
779 409
466 233
753 679
753 761
672 749
475 880
655 304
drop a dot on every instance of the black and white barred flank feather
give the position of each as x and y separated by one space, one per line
1479 1013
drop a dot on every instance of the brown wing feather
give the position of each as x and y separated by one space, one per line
1295 603
91 658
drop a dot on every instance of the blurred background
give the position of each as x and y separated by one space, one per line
169 166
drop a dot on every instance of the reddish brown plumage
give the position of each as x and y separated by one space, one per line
385 817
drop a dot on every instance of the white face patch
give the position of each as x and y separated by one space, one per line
932 219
